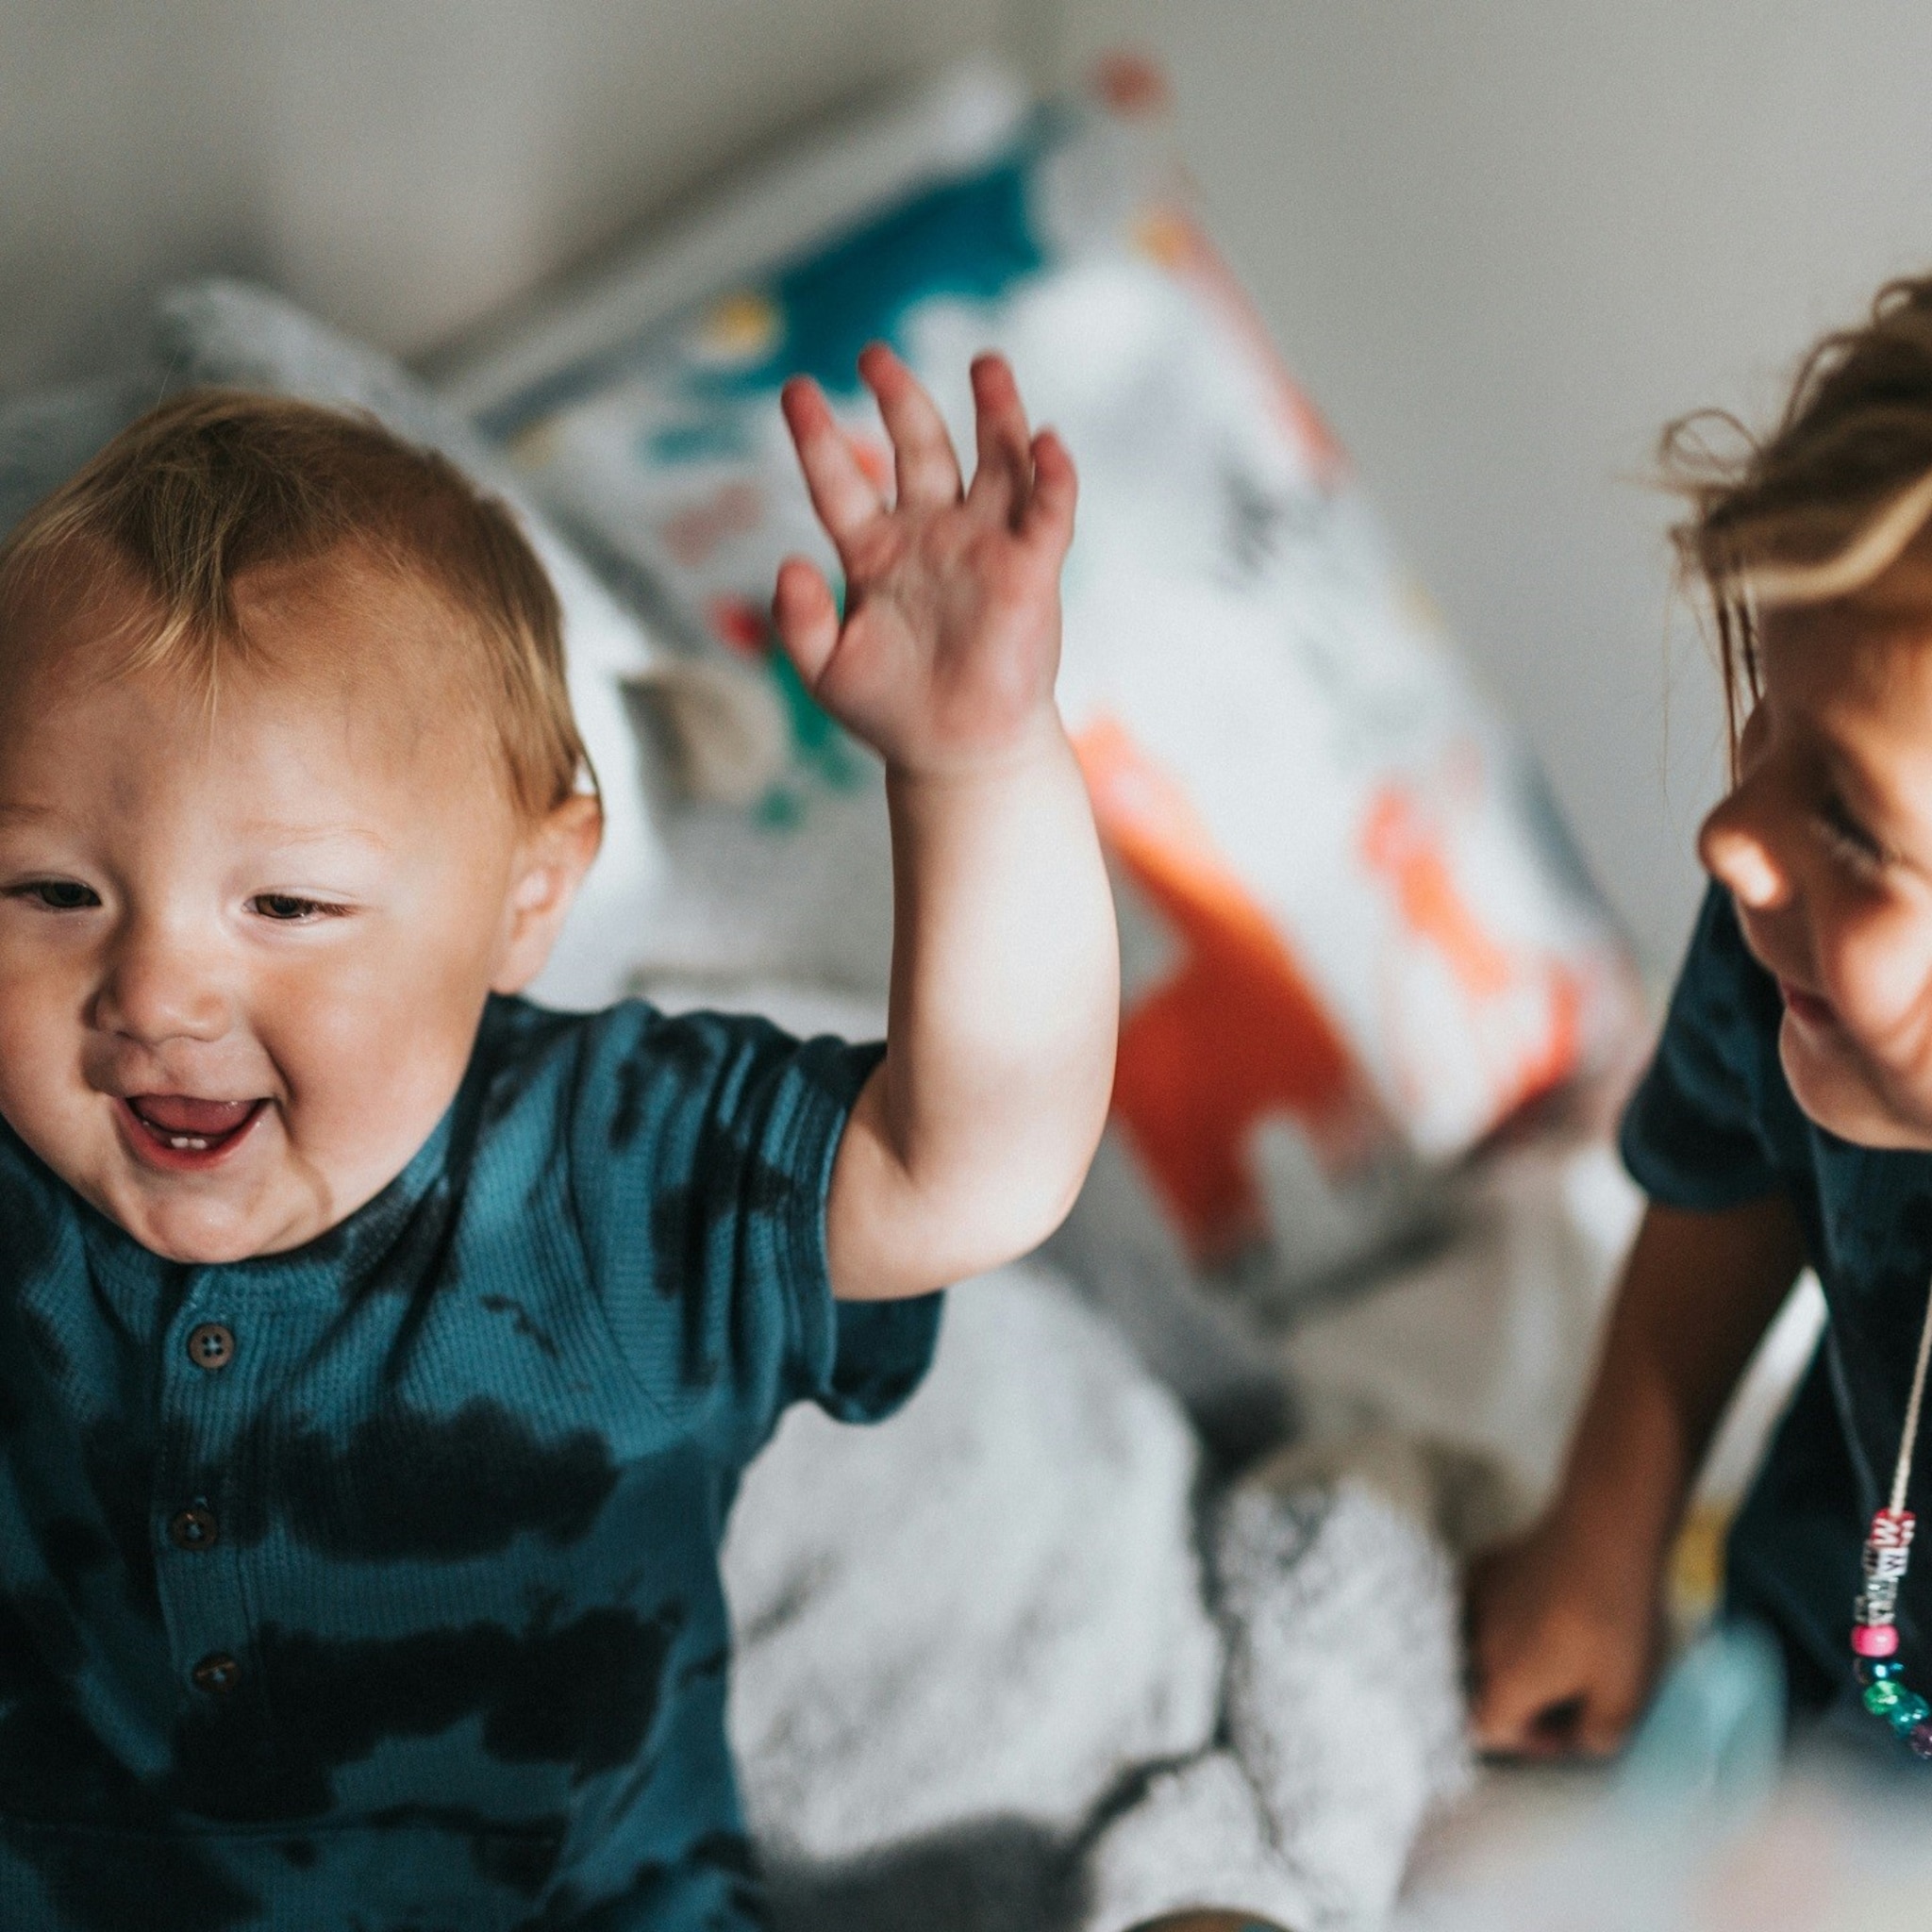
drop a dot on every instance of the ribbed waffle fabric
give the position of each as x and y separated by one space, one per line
448 1647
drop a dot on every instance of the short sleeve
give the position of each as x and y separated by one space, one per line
701 1154
1693 1134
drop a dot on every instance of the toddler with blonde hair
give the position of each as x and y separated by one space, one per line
381 1350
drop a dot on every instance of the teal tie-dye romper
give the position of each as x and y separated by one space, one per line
375 1584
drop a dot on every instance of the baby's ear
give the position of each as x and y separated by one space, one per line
552 859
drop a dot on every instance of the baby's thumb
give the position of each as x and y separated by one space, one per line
807 617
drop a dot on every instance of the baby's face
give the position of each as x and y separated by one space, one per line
1825 843
244 953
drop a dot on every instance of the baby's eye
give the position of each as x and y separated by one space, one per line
1847 838
57 895
288 909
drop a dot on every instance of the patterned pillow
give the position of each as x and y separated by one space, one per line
1357 938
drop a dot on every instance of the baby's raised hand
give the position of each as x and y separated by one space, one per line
945 658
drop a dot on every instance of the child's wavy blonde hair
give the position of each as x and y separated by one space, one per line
215 483
1828 501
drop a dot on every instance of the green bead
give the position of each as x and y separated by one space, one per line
1881 1696
1909 1709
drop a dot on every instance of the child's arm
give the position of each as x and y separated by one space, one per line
1565 1625
969 1143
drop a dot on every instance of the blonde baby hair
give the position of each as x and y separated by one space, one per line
215 483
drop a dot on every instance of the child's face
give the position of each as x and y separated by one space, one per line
1826 847
244 954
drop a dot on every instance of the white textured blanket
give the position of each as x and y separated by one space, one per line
1001 1665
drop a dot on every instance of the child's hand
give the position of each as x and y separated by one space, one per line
1564 1646
944 660
1566 1626
970 1141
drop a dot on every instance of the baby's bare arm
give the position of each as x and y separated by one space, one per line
1565 1623
967 1145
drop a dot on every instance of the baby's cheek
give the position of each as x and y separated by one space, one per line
368 1054
1868 1079
44 1094
1877 963
40 1032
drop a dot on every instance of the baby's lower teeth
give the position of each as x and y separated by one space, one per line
192 1142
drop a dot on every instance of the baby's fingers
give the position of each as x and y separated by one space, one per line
1559 1707
1527 1721
1605 1722
1003 477
806 615
1048 521
1528 1695
928 471
841 494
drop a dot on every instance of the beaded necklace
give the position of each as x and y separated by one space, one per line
1887 1551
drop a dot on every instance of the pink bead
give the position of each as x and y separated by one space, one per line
1874 1639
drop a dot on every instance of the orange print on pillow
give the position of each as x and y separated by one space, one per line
1234 1033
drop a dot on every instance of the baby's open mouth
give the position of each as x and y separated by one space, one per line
184 1132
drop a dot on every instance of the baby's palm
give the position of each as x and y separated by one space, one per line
950 637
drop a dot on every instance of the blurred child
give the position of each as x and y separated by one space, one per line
1787 1117
380 1351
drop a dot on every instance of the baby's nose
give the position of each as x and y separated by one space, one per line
161 985
1736 854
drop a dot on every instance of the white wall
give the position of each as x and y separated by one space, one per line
1503 241
400 165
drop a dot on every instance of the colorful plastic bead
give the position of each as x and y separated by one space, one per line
1909 1711
1880 1697
1920 1738
1874 1639
1874 1669
1891 1529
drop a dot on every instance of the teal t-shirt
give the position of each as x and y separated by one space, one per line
1713 1126
376 1584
